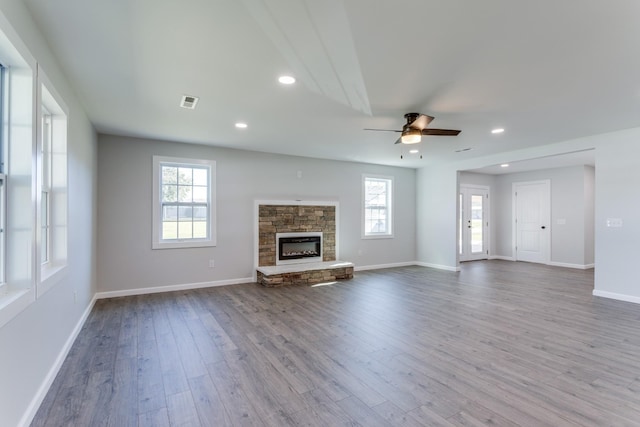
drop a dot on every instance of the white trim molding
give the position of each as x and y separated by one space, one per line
551 263
568 265
381 266
618 297
157 241
438 266
55 368
546 217
172 288
390 206
501 257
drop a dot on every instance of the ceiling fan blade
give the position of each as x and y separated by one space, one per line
383 130
441 132
399 141
421 122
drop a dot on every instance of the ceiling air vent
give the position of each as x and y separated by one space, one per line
189 102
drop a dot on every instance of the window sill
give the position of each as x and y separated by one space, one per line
50 275
12 302
377 236
186 244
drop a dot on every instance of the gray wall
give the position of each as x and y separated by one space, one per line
32 341
589 215
572 200
124 205
617 182
616 174
568 203
436 226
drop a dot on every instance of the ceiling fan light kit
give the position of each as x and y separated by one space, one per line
411 135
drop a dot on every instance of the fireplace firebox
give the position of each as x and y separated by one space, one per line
292 248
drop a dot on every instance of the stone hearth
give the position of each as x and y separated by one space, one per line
305 274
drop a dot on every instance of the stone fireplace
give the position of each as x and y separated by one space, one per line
297 245
274 219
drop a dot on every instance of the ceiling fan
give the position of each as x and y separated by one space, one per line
416 127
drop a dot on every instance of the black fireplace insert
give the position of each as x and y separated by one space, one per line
299 247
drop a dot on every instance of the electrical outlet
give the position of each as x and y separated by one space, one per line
614 222
212 263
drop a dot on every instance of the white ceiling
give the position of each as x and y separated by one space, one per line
546 71
582 157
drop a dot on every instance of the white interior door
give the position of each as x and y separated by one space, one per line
532 213
473 223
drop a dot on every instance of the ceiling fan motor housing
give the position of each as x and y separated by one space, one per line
411 117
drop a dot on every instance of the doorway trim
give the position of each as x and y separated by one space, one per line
547 214
486 216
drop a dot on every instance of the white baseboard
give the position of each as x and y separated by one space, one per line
567 265
55 368
619 297
503 258
552 263
171 288
437 266
381 266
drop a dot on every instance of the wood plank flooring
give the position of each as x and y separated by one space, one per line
499 343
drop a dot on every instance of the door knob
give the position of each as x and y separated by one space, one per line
543 227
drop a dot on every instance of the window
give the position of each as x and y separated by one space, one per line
17 175
52 185
183 203
377 206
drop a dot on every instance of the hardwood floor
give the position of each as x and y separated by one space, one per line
500 343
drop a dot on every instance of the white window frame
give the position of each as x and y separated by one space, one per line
388 233
45 186
157 241
19 134
3 179
3 226
52 183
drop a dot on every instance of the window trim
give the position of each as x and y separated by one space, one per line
3 230
45 170
52 271
18 127
389 205
156 241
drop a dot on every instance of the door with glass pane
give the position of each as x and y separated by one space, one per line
473 223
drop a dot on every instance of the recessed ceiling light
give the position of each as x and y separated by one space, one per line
498 130
287 80
504 165
414 151
241 125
